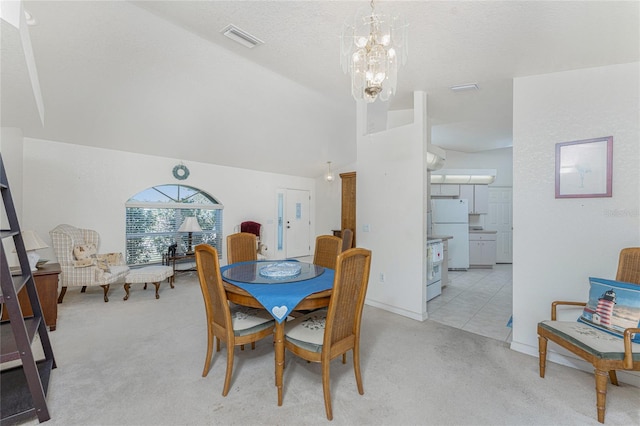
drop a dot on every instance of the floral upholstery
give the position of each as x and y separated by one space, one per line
94 270
247 320
308 331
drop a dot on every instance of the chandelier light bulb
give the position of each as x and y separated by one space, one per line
329 176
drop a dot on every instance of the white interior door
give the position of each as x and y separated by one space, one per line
297 223
500 218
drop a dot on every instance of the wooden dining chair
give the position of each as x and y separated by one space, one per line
347 239
607 353
241 247
328 333
328 247
235 327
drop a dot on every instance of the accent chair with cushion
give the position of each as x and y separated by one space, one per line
235 326
326 334
607 334
80 263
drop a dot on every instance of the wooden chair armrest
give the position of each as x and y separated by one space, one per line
557 303
628 355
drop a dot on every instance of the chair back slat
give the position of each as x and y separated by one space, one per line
347 297
241 247
328 247
629 265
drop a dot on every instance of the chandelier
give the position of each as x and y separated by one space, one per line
373 46
329 176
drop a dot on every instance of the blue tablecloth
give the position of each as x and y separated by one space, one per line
280 299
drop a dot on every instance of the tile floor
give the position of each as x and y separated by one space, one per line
476 300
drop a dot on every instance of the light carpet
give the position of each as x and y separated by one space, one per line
139 362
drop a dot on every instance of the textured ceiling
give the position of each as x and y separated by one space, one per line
158 77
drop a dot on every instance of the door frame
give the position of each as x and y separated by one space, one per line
281 219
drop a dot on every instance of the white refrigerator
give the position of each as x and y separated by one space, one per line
451 217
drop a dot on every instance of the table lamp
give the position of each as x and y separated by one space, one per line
190 225
32 242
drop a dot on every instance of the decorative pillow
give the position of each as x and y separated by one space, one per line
101 261
84 251
613 306
114 259
83 263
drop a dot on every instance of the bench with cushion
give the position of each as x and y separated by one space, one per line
148 274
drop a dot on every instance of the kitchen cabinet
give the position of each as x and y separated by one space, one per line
482 249
478 196
445 190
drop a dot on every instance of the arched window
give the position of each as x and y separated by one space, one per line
155 215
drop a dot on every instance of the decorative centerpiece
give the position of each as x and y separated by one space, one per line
281 270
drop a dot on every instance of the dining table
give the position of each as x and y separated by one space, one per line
281 287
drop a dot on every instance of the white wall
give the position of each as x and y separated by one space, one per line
499 159
391 200
11 150
88 187
559 243
329 201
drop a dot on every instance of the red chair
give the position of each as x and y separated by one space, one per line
251 227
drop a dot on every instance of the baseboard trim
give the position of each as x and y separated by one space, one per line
395 310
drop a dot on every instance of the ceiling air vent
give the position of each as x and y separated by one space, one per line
241 36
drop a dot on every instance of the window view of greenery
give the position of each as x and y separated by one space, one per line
154 216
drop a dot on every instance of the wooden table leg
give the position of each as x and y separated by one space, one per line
601 393
279 350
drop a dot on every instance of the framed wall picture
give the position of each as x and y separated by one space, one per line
583 168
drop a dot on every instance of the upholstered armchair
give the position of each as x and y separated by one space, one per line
81 265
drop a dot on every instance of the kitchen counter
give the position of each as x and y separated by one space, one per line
439 237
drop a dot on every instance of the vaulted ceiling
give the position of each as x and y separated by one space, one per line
158 77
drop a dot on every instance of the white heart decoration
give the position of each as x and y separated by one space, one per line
279 311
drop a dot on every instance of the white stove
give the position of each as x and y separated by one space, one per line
435 256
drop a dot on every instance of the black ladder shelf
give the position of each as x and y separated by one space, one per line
23 388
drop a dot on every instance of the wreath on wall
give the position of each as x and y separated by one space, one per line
180 172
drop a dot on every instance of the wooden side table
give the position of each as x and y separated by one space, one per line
179 258
46 279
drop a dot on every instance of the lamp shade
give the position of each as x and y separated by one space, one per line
190 224
32 241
